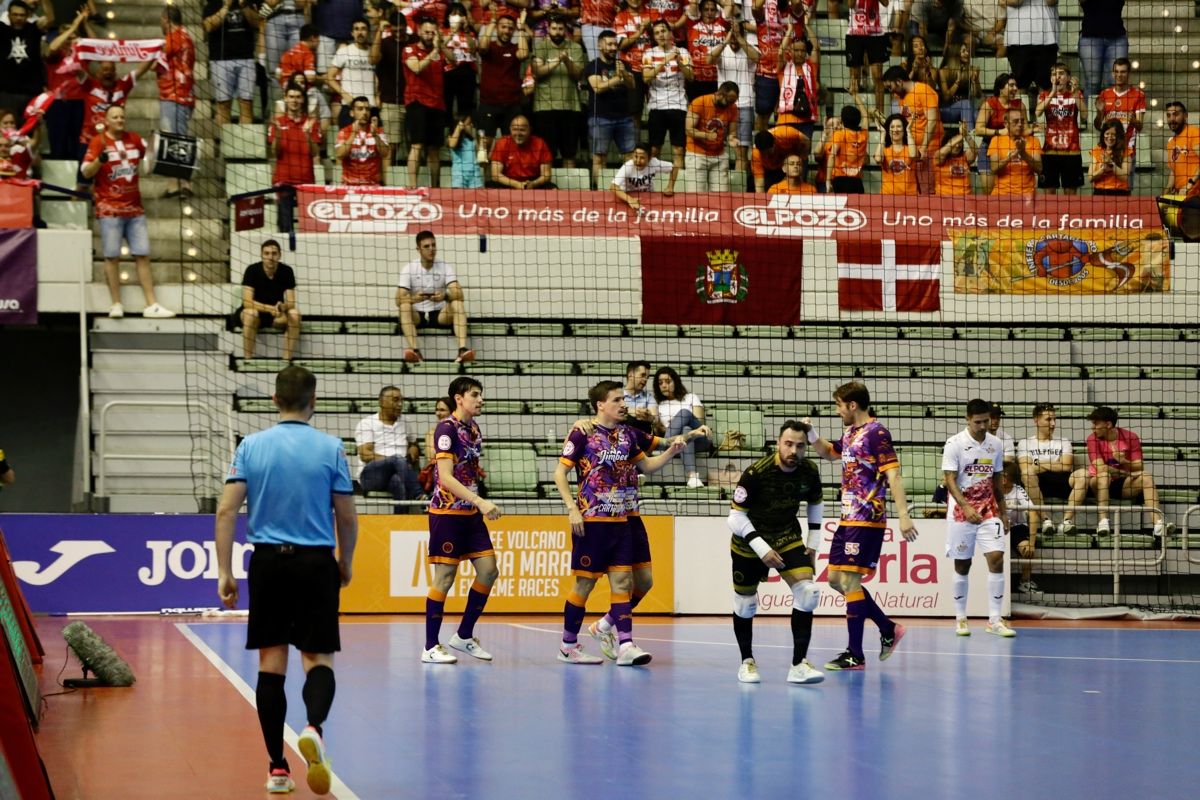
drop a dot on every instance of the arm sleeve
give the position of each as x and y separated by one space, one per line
341 478
573 448
362 433
237 469
445 443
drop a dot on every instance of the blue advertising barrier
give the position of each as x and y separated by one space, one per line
74 563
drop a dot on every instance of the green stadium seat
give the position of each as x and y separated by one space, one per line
719 331
258 365
602 369
818 332
926 332
1153 452
1171 372
886 371
764 331
321 326
922 471
1074 541
832 33
737 180
1123 371
372 327
243 142
654 330
872 331
597 329
551 368
377 366
717 370
681 492
773 370
1053 371
554 407
537 328
576 178
60 173
246 177
829 370
1113 334
1154 334
1053 334
64 214
748 422
1001 371
511 471
983 333
324 366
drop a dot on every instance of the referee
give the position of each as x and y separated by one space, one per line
290 476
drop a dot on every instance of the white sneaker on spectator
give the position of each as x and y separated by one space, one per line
155 311
116 311
1048 526
694 481
1163 528
438 654
1103 527
470 647
1067 527
1029 591
748 672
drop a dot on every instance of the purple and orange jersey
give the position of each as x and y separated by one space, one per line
867 455
647 443
603 460
463 443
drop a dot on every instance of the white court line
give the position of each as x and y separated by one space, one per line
337 788
905 650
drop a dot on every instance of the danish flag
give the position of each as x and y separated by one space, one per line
889 276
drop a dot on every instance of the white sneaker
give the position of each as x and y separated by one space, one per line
1067 527
804 673
470 647
606 638
694 482
1162 529
438 655
155 311
1029 590
280 782
748 672
1103 527
1000 628
573 654
1048 526
311 746
116 311
630 655
961 627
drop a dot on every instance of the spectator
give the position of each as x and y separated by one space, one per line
230 26
1045 464
1063 106
22 75
1115 470
1126 104
387 54
771 148
771 24
300 57
710 119
847 152
636 177
1015 157
1102 40
867 45
990 122
704 35
799 79
428 295
1021 524
542 12
521 160
995 417
295 139
176 84
269 299
595 17
1031 41
959 81
793 179
425 101
952 162
103 92
680 412
500 62
464 167
919 105
1183 149
443 408
609 84
942 21
462 71
918 64
665 69
632 27
282 30
558 64
20 152
113 159
384 450
363 148
735 59
638 399
1111 161
896 156
64 117
351 74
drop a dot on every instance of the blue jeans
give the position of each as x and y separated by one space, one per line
283 31
1096 55
392 474
958 111
681 423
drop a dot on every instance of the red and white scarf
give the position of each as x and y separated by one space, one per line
123 50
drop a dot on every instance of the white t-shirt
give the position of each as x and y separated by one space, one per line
667 89
357 75
1016 503
419 280
1010 447
667 409
975 463
1032 22
631 179
389 440
1044 450
736 66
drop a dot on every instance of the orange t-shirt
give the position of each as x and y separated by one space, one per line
914 106
899 174
1109 180
953 175
1183 156
782 188
851 154
713 120
788 141
1018 177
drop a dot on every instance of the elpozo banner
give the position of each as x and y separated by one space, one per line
1061 262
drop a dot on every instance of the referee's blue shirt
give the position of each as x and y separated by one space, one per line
290 472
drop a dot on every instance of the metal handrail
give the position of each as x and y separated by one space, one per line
1184 533
104 457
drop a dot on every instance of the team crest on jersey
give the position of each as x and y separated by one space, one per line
444 442
739 494
722 279
569 449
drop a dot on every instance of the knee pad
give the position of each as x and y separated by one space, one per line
745 605
806 596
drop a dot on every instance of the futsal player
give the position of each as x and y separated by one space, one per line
457 529
869 469
600 539
972 461
767 535
289 476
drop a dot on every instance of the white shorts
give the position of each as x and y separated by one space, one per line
962 537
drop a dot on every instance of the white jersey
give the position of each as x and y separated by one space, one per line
667 91
419 280
631 180
1016 504
975 464
1044 451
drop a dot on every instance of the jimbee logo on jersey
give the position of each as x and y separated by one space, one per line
722 279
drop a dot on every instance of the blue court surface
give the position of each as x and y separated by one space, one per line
1055 713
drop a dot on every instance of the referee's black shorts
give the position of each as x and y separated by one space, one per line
294 594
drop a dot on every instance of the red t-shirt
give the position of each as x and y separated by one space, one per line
522 163
701 38
363 165
65 84
500 74
424 87
626 26
1119 453
1123 106
299 59
294 165
115 189
1062 123
598 12
97 99
176 79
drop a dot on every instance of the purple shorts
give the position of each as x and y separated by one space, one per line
604 547
855 548
639 542
453 537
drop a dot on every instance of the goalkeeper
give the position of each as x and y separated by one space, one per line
767 534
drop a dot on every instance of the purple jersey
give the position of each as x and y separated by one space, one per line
603 460
647 443
867 455
462 443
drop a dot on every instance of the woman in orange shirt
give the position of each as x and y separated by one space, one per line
952 163
1005 95
895 155
1110 161
847 152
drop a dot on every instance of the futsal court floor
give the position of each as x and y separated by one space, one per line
1065 710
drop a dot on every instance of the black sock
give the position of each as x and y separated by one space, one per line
801 634
743 629
318 694
272 711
